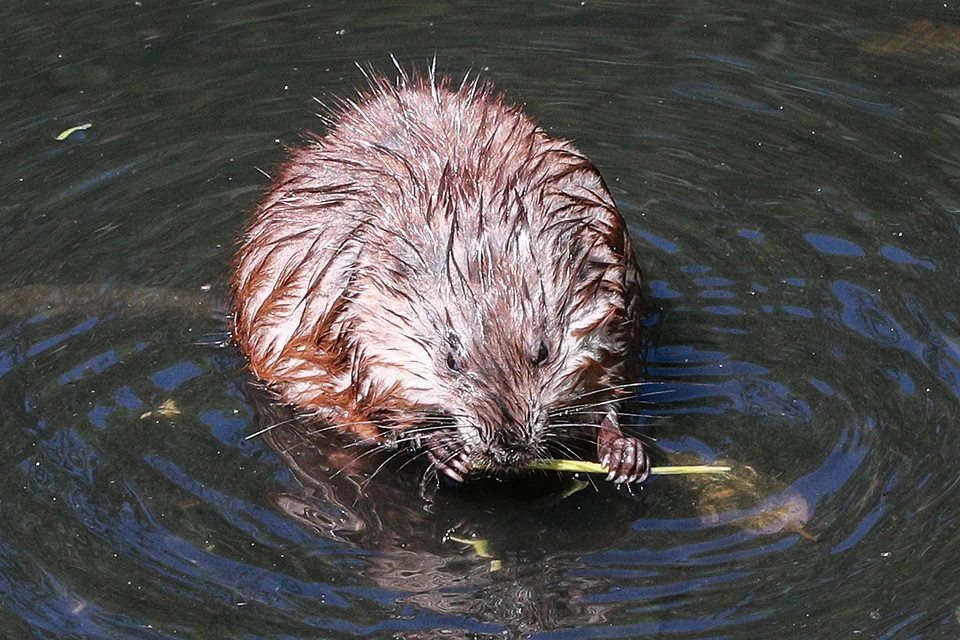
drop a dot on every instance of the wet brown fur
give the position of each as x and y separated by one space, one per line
436 226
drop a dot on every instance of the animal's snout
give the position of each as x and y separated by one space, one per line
511 451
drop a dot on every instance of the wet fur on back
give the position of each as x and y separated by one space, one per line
438 272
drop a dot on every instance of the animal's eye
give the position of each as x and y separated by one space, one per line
542 354
452 362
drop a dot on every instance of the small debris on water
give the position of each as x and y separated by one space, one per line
66 133
166 410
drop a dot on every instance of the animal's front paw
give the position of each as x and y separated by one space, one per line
626 460
447 456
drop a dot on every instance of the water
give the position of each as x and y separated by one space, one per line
790 174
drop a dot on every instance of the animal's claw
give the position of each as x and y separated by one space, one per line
447 456
626 459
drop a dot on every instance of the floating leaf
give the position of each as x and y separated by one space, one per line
66 133
480 546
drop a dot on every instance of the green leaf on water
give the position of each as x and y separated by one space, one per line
66 133
480 546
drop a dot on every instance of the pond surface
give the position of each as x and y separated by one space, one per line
791 175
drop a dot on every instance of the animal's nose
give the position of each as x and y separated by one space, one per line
512 454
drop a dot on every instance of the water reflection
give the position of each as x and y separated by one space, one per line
499 554
538 554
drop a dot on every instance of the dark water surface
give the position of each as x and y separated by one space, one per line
790 172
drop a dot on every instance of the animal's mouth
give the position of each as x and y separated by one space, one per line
510 458
458 456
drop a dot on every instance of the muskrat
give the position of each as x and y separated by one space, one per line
437 273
